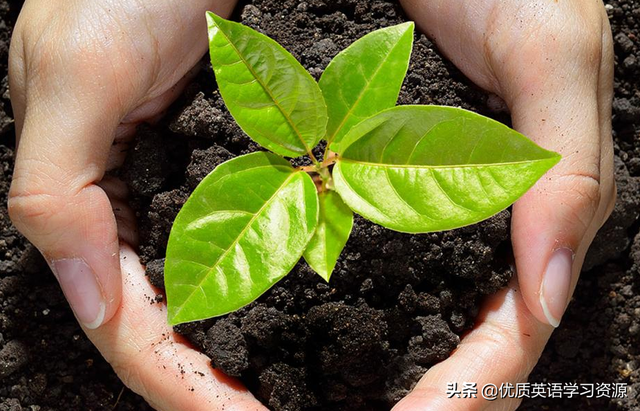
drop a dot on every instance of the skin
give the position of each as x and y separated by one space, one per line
83 74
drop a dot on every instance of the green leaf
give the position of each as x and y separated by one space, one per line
244 228
334 226
429 168
270 95
365 78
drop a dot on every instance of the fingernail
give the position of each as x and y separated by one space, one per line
554 291
80 286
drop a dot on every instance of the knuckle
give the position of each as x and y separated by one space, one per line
581 195
60 52
36 194
32 211
503 341
132 377
83 55
576 34
585 191
584 38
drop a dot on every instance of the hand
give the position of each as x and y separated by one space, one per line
552 63
83 74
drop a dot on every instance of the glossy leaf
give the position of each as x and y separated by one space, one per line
244 228
270 95
365 78
334 227
429 168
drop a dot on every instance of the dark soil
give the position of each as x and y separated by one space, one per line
396 303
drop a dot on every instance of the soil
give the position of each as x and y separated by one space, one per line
396 305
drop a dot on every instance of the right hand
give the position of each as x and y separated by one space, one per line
82 75
552 64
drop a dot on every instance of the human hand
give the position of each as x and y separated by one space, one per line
83 74
60 87
552 63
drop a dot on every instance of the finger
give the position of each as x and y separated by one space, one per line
118 192
564 109
154 361
67 117
17 81
54 200
503 348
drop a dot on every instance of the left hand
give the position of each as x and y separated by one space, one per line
82 75
552 63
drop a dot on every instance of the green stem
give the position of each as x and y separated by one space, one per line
326 151
314 159
324 173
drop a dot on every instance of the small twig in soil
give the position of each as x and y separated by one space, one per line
118 399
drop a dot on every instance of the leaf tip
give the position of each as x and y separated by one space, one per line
211 18
406 27
555 159
324 272
411 26
212 23
319 268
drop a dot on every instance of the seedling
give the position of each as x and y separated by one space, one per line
414 169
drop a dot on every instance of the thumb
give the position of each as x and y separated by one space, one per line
57 199
66 121
56 204
555 222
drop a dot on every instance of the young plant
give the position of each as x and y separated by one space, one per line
414 169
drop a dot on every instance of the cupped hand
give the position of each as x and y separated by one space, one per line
83 74
551 62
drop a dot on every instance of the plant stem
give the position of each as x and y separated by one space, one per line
324 173
309 169
320 171
330 158
313 158
327 152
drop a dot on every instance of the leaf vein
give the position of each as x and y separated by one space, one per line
235 242
418 143
361 94
269 92
445 167
436 179
400 197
